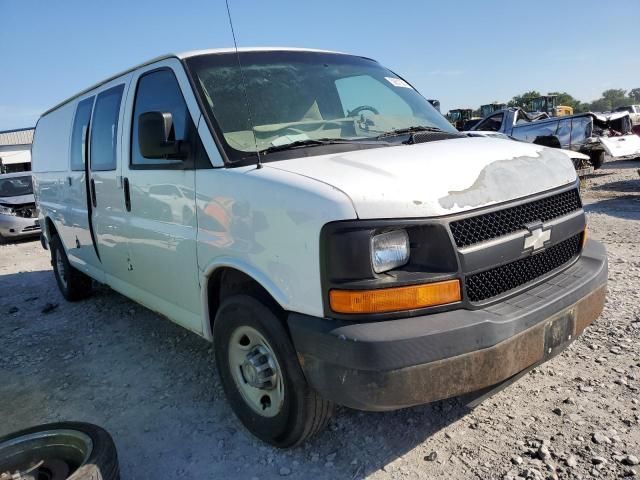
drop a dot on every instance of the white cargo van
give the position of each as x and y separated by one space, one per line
318 220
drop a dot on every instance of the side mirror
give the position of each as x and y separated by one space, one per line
157 138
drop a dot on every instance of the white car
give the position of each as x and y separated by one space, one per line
18 213
634 112
318 220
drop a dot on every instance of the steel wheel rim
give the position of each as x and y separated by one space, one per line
62 271
45 455
247 343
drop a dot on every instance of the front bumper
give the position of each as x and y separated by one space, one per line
393 364
13 227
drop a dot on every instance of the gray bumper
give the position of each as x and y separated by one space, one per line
13 227
398 363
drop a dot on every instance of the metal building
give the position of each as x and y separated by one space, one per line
15 150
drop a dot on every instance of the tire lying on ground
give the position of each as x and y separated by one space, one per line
59 451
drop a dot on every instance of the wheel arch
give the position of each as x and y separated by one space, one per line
226 278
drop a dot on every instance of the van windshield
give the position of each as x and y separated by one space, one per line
301 96
15 186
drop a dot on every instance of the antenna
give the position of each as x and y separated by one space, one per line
244 85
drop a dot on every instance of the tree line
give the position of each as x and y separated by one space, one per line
610 100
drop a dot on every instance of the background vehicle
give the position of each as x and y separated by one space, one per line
588 133
549 104
18 212
459 116
634 114
435 103
333 247
581 162
488 109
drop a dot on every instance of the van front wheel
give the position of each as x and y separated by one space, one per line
261 377
73 284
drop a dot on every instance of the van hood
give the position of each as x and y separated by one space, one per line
18 200
437 178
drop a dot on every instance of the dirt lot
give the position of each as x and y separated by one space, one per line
154 385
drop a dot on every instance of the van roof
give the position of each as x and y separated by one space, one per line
182 56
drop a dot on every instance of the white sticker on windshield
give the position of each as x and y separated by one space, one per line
397 82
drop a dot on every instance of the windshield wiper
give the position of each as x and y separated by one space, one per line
310 143
409 130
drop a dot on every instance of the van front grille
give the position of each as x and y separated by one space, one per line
490 283
471 230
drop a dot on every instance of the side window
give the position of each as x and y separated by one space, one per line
104 129
159 91
79 134
358 91
491 124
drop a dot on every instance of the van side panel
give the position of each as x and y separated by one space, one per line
50 164
266 223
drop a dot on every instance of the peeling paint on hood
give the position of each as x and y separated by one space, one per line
503 179
437 178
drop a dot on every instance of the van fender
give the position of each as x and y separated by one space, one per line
248 269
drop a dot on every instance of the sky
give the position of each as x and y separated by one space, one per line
464 53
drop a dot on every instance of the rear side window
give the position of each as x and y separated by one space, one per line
159 91
79 135
104 129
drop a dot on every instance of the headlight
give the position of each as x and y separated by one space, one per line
389 250
7 211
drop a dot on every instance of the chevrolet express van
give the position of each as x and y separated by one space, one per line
317 219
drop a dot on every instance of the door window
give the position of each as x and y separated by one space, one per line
79 135
491 124
159 91
104 129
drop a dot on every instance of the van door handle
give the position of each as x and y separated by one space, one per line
127 195
92 188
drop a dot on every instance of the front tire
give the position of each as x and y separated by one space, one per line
73 284
261 377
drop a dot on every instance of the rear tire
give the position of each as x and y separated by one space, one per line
65 450
292 414
73 284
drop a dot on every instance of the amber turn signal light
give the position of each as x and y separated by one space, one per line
585 237
395 299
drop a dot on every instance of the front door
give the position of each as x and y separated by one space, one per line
161 224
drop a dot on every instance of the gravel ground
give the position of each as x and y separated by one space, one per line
154 386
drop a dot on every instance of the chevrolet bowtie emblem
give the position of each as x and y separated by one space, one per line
536 238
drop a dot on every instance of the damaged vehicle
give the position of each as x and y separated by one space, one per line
580 161
335 237
595 135
18 212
